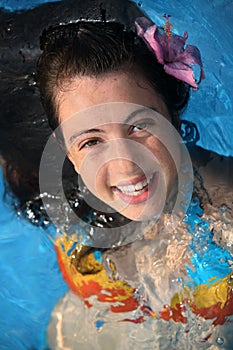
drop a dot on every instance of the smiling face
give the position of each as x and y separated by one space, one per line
119 149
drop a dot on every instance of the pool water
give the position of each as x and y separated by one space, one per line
74 326
31 282
32 286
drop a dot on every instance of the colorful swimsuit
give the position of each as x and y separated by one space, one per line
210 296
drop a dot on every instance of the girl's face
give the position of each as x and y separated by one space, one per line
114 147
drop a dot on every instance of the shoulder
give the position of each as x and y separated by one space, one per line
217 175
214 183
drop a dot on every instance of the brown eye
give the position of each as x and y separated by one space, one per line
139 127
90 143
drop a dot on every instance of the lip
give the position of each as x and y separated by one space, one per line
133 181
147 193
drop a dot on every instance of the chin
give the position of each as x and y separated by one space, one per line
141 214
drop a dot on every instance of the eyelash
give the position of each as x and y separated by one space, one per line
85 144
142 126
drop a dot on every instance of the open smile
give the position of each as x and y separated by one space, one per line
138 190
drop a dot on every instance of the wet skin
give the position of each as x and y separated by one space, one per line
119 181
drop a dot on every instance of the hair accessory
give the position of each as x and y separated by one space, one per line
170 52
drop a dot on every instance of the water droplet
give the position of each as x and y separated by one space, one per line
230 279
220 341
99 325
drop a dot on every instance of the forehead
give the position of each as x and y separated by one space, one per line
85 92
106 114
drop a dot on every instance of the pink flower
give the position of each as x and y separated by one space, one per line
170 52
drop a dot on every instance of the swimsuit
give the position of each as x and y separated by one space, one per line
210 295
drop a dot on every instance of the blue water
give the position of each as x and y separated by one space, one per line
30 279
209 24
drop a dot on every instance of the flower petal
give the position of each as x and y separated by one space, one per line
142 24
147 31
177 45
182 72
169 51
192 56
151 38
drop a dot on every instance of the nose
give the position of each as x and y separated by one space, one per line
123 157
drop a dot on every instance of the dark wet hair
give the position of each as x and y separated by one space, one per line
86 48
92 48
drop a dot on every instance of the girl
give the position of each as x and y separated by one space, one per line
113 91
112 94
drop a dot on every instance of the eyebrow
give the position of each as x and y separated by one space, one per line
129 117
83 132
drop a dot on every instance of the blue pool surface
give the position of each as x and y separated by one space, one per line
31 282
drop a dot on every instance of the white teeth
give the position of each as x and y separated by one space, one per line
135 190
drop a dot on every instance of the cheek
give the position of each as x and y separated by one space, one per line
92 172
170 171
166 160
100 183
75 159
